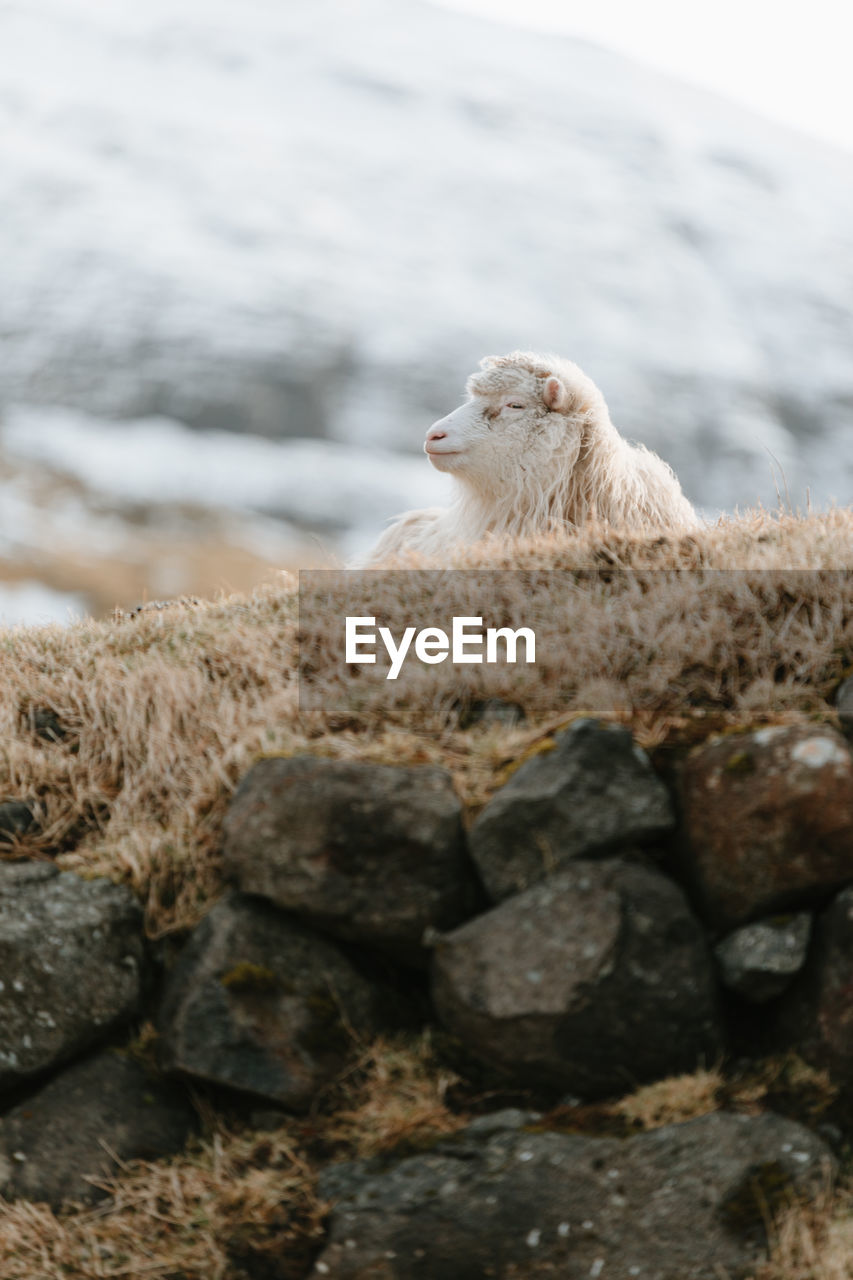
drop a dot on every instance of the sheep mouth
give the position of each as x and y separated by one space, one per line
442 453
444 459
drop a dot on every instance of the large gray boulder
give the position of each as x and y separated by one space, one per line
592 791
260 1003
591 981
685 1202
370 852
71 956
768 821
76 1130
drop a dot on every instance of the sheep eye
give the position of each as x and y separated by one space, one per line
513 406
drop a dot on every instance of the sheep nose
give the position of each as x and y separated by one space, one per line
435 433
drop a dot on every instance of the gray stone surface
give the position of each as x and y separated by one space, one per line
760 960
816 1013
592 792
94 1114
16 819
591 981
71 956
369 852
844 704
47 725
680 1203
259 1002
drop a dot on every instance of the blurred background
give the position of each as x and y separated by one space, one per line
250 250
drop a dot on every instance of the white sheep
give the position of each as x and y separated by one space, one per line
533 449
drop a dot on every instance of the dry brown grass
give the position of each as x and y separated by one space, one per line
237 1204
784 1083
672 1100
165 710
162 712
210 1214
397 1099
812 1241
815 1245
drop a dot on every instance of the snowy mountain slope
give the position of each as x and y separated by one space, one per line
312 220
317 484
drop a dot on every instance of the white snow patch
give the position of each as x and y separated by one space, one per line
158 460
32 603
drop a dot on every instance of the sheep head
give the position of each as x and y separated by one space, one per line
522 416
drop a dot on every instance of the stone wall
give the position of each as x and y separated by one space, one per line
602 923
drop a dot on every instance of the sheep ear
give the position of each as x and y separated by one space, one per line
555 394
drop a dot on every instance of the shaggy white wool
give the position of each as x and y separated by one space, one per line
531 450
